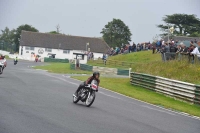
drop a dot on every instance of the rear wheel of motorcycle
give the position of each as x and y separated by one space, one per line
90 101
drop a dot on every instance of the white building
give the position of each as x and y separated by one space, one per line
63 46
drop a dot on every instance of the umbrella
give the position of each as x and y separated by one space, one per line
187 43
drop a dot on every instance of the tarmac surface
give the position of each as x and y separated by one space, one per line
35 101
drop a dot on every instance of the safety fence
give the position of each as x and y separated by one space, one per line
86 67
56 60
102 70
177 89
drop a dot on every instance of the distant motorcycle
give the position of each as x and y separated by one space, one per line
87 94
2 65
15 62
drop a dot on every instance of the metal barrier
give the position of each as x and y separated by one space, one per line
72 66
103 70
177 89
56 60
86 67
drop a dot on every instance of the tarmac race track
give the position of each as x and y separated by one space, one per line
35 101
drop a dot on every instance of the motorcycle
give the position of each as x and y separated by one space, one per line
2 66
15 62
87 94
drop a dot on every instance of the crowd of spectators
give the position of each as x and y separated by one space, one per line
128 48
172 49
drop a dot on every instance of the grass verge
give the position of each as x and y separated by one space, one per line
61 68
148 63
124 87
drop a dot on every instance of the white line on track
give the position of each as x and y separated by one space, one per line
156 109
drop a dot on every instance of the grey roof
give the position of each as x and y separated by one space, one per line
47 40
182 38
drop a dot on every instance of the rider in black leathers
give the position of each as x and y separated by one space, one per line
95 76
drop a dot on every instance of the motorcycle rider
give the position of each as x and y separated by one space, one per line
95 76
16 59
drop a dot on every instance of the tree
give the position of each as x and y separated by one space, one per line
7 35
7 39
116 32
183 24
195 34
54 32
25 27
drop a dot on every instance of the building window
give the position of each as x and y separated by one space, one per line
66 51
27 48
30 48
48 50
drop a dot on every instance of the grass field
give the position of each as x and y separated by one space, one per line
61 68
123 86
146 62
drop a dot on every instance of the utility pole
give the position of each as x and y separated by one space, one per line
168 33
58 28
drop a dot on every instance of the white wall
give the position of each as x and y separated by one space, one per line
59 53
97 55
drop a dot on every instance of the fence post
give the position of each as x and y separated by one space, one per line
130 72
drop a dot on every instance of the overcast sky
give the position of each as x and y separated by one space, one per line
88 17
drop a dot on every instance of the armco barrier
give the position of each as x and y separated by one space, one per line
123 72
177 89
56 60
103 70
72 66
86 67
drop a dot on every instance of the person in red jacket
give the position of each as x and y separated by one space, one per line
95 76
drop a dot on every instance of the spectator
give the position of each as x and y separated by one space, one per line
153 48
163 51
196 51
104 58
144 46
162 42
158 45
134 47
191 56
92 56
172 51
122 51
138 47
184 49
179 49
173 48
130 48
167 47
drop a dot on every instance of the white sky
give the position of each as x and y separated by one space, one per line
88 17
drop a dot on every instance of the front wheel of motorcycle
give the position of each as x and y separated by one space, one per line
90 99
75 99
1 70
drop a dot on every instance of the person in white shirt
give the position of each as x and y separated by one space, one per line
196 51
163 42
